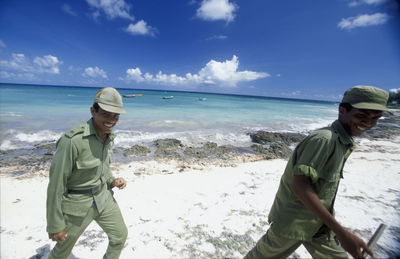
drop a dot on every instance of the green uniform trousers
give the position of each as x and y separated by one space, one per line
110 220
273 246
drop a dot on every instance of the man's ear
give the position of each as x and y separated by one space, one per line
342 111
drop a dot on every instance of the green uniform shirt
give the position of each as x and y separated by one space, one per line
321 157
81 162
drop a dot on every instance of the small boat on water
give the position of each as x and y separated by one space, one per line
131 95
202 99
168 97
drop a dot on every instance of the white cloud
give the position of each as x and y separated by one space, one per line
214 73
47 64
218 37
20 63
298 94
212 10
17 62
112 8
395 90
363 20
332 97
140 28
226 72
96 15
134 74
94 72
2 44
67 9
368 2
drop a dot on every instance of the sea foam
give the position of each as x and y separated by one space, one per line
15 139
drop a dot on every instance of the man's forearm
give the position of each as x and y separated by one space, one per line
302 188
351 243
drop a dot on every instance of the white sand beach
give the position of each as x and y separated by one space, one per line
206 211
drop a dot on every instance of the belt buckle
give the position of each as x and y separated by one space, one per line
98 188
94 190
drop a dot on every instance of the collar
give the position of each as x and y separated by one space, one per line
90 130
344 137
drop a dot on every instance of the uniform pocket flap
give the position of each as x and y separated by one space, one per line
78 209
86 164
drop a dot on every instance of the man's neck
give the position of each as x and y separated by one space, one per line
103 137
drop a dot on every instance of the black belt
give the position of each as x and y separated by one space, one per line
93 190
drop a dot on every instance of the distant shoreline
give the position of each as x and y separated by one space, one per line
177 91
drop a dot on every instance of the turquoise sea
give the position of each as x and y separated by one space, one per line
30 114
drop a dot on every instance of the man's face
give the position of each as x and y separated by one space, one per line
104 121
357 121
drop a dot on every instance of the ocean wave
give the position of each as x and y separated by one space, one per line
10 114
191 133
175 124
302 125
13 139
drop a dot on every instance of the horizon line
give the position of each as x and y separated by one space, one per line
183 91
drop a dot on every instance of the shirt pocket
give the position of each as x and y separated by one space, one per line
87 171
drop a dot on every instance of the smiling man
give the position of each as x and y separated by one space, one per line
302 212
80 181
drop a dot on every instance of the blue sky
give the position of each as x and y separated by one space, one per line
295 49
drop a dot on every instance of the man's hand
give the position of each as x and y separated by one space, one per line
119 182
59 237
353 244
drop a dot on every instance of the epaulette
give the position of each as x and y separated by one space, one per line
75 131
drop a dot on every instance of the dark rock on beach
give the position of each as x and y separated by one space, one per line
168 148
211 153
23 161
168 143
273 144
137 151
265 137
49 148
165 153
273 151
210 150
174 149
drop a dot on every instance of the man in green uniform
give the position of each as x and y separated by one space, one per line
302 212
80 180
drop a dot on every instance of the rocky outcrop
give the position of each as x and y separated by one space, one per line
273 151
273 144
137 151
265 137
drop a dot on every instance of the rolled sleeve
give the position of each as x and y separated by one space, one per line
306 171
311 156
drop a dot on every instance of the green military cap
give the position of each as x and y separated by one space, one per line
109 100
366 97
